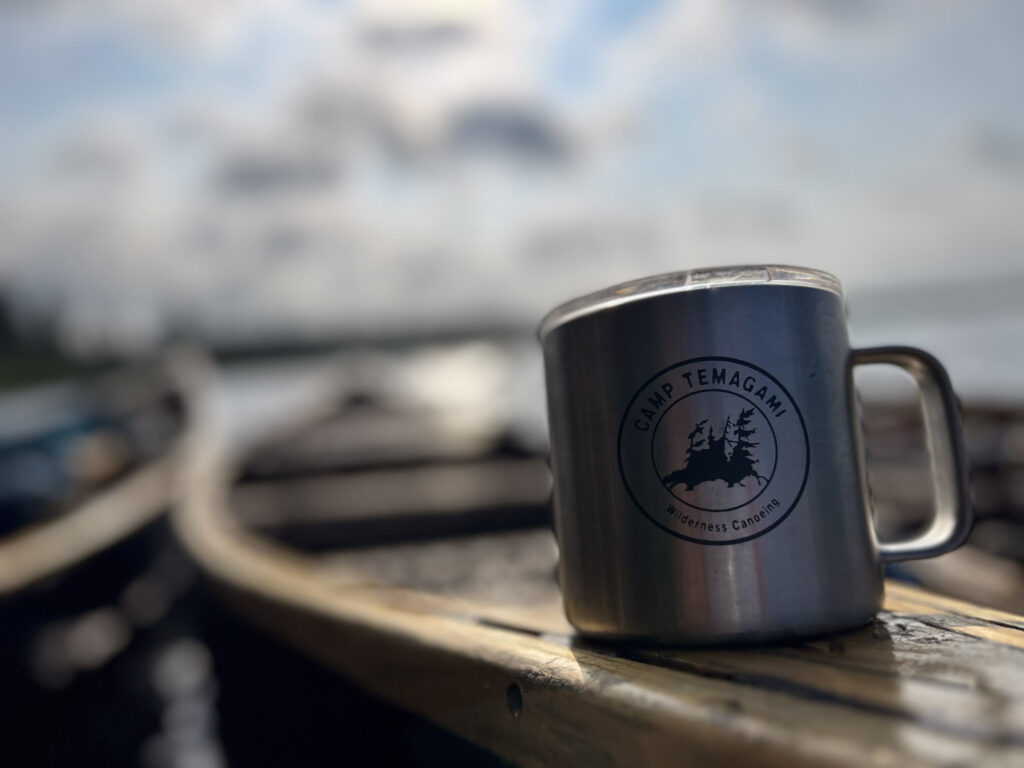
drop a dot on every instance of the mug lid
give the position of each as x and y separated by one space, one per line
689 280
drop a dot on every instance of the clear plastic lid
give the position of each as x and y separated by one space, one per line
690 280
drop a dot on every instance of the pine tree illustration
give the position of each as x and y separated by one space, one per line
698 430
688 475
741 462
710 458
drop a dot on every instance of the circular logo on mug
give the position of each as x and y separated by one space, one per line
714 450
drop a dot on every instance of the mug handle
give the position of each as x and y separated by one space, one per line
954 514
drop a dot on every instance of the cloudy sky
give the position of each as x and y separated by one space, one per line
239 169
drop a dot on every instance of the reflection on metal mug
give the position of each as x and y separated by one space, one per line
709 478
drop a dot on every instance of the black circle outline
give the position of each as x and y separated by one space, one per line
775 439
803 426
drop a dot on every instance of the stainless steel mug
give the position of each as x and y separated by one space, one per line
705 445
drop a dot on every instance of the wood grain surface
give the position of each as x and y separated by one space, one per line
469 633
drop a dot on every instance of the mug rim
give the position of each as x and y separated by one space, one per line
686 281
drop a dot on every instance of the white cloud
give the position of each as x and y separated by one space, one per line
345 200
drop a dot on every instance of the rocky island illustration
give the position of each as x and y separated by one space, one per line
729 457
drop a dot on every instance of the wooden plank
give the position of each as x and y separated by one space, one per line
366 507
469 634
906 598
460 631
38 552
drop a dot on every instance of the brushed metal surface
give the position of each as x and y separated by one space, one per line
627 568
